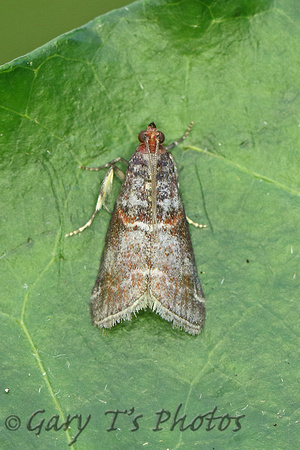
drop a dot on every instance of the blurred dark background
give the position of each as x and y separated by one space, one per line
28 24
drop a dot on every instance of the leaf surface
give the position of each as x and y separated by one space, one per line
231 67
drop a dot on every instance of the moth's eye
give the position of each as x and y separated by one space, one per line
161 137
142 136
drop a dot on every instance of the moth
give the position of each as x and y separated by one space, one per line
148 259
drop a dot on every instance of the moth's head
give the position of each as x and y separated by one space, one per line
151 135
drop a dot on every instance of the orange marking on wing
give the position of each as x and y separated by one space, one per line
124 218
173 220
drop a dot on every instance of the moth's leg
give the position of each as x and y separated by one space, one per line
198 225
174 144
109 164
104 190
190 221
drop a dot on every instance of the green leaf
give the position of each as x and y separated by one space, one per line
232 68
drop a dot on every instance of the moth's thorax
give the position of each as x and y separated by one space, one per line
139 167
137 197
152 147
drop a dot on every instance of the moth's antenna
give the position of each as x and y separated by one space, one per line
153 172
